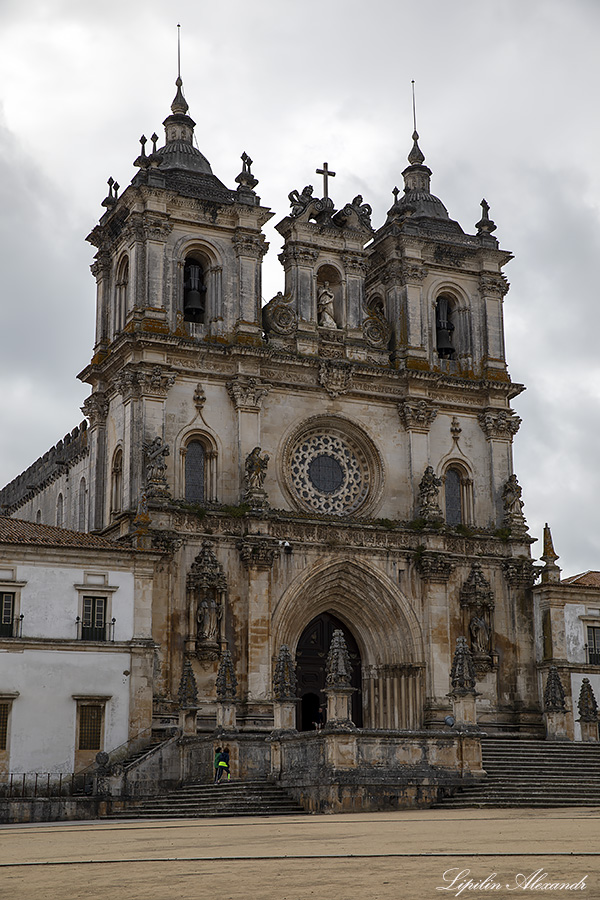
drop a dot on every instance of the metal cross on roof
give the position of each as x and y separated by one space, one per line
326 173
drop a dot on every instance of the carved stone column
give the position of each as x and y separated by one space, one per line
258 554
435 570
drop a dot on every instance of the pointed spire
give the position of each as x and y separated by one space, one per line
188 690
338 669
462 674
554 692
587 705
284 676
226 683
550 572
416 157
179 106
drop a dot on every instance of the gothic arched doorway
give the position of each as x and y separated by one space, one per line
311 658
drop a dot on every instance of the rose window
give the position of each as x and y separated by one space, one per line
329 472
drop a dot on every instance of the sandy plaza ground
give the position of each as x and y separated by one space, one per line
407 855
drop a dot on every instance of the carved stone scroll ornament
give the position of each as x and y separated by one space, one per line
434 567
247 392
207 591
499 424
377 331
95 407
306 207
259 553
156 452
429 488
279 315
416 415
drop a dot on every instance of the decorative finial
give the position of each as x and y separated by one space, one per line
246 180
550 572
554 692
485 224
326 173
415 157
110 199
395 192
179 104
414 107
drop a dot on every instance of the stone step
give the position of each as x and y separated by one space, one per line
195 800
533 773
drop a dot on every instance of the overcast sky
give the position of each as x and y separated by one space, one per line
507 110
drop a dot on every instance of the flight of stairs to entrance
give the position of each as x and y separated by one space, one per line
230 798
534 773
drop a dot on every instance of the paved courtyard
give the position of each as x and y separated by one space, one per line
411 855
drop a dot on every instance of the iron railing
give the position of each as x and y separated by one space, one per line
104 632
592 655
30 785
13 628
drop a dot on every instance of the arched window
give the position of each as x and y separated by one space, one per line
121 290
195 472
194 290
458 496
116 493
444 327
38 517
59 511
453 494
82 505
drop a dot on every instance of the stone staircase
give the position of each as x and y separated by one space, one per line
230 798
524 772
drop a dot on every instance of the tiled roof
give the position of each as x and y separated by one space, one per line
18 531
586 579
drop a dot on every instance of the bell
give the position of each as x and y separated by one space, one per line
193 303
445 347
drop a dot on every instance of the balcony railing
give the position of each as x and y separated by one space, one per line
592 655
12 629
104 632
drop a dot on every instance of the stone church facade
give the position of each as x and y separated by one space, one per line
339 459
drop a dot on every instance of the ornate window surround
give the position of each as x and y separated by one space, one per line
466 489
211 456
355 453
212 267
460 306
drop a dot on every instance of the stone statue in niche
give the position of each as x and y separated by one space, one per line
513 506
208 618
156 467
480 635
254 479
325 307
429 488
256 468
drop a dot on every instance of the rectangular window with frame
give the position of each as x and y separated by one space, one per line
93 620
593 634
7 612
4 714
91 721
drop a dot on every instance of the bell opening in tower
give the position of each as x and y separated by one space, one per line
194 291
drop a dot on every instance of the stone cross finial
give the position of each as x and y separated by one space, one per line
587 705
284 676
554 692
338 669
462 674
326 173
188 690
226 683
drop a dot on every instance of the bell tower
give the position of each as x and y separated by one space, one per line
178 268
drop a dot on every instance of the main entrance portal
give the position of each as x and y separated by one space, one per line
311 659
